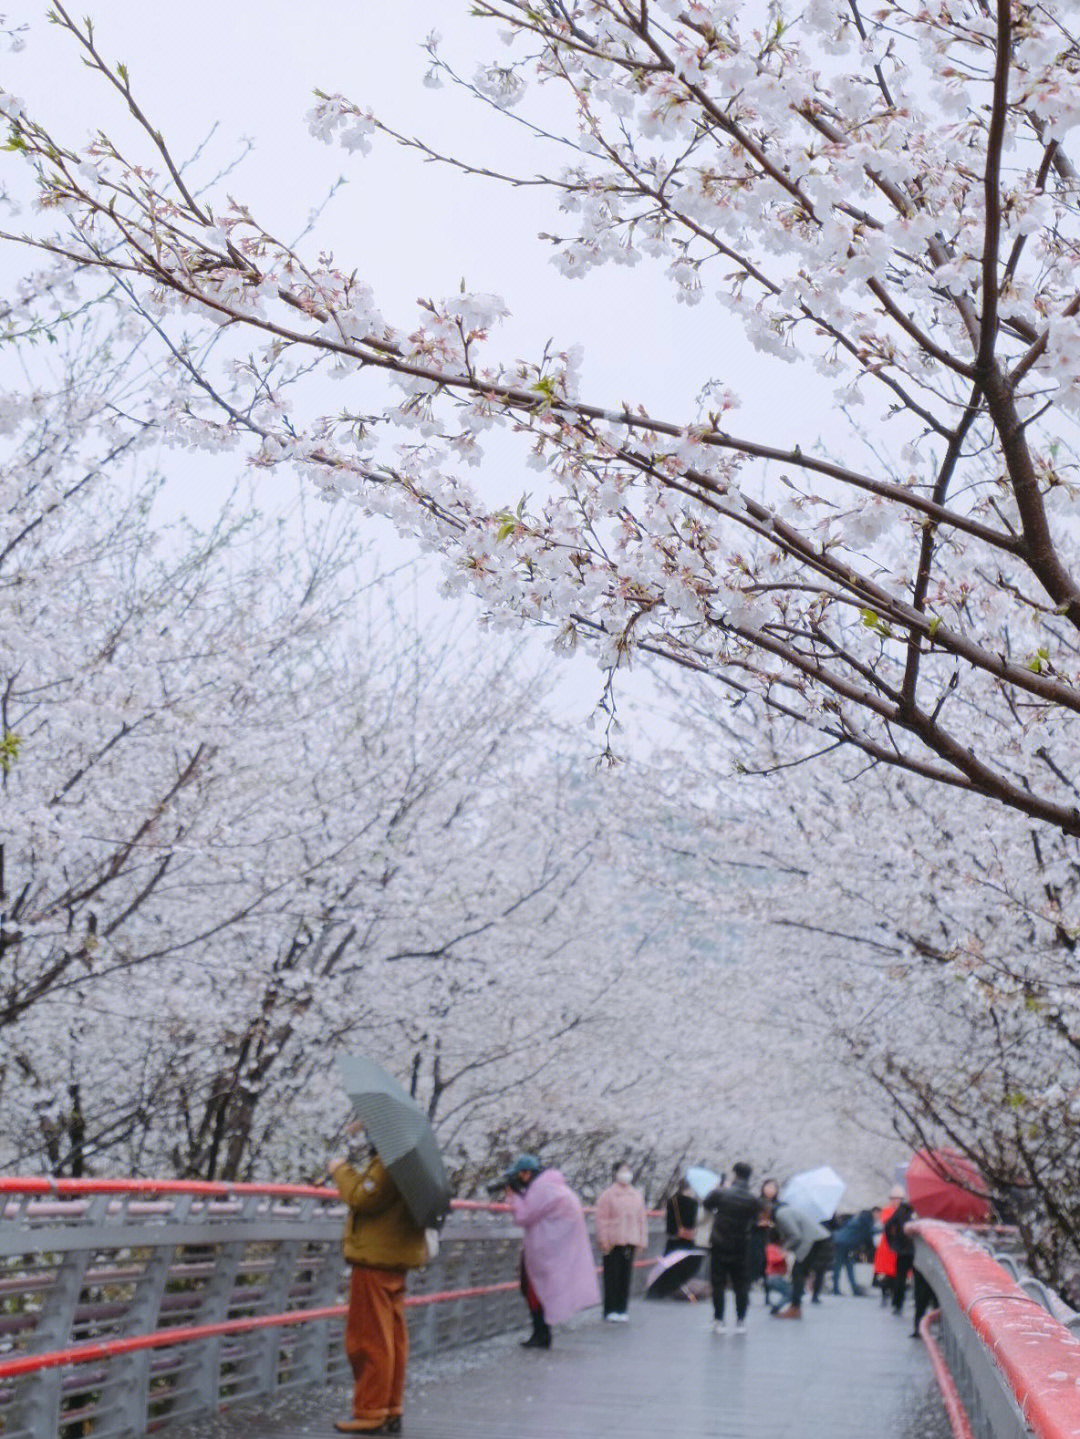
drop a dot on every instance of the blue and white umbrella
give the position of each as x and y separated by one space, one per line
815 1192
702 1181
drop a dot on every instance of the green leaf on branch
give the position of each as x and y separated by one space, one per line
873 621
10 745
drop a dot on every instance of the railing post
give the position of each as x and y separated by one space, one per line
128 1387
40 1406
216 1297
276 1301
311 1348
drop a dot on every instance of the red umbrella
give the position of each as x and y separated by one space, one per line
940 1185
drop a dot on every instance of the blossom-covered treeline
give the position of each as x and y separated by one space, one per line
884 197
942 963
254 816
884 194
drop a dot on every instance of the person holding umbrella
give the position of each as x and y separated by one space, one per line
381 1242
394 1197
558 1278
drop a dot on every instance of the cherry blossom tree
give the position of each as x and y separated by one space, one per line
884 196
144 680
246 830
940 960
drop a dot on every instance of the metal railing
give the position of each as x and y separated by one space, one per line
127 1305
1013 1365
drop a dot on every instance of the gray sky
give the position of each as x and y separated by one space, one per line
410 228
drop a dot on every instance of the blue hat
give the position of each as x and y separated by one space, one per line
521 1163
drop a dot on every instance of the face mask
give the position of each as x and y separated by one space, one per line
624 1176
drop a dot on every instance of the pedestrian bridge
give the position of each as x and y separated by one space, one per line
848 1371
203 1310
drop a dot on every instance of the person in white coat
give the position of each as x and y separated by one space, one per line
622 1229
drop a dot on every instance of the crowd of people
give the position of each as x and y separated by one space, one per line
753 1236
760 1238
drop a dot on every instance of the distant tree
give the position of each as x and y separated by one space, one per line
253 819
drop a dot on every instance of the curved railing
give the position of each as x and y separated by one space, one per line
125 1304
129 1304
1009 1367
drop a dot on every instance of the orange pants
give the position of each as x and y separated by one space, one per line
377 1342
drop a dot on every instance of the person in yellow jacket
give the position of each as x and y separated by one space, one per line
381 1242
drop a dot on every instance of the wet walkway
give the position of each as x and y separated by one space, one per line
848 1370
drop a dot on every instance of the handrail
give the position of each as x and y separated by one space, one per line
950 1395
47 1187
190 1333
129 1302
999 1335
208 1188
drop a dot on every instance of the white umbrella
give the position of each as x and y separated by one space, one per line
815 1191
702 1181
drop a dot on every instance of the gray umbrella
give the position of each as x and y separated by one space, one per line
402 1135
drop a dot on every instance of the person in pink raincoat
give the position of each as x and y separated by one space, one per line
558 1276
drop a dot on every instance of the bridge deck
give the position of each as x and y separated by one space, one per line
848 1370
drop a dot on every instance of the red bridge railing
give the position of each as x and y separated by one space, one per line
126 1304
1008 1367
129 1304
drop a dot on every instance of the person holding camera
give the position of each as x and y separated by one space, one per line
558 1278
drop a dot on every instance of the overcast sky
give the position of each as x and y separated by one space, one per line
412 229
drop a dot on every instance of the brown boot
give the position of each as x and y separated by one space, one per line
360 1426
793 1311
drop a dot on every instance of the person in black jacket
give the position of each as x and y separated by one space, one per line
681 1218
903 1246
735 1213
